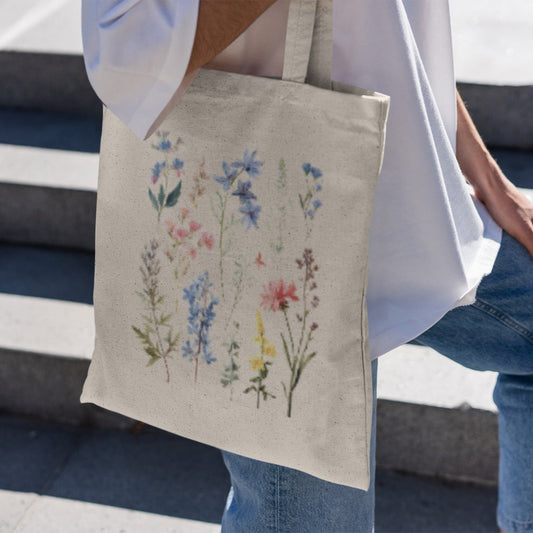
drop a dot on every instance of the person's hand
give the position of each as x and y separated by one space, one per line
508 207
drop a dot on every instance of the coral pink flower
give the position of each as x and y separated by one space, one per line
180 233
207 240
259 260
276 294
193 252
193 226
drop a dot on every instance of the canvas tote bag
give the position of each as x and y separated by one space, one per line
231 263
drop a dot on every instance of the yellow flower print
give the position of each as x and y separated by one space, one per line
259 321
257 362
270 349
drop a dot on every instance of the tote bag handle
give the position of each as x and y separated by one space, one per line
302 23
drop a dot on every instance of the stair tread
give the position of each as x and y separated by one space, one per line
48 167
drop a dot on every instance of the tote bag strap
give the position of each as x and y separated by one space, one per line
309 36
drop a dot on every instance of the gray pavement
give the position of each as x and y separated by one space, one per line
493 42
62 478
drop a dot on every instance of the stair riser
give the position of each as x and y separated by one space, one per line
47 216
58 82
502 114
450 443
49 82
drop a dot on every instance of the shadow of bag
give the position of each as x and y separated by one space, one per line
231 263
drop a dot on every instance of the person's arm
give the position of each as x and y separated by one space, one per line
510 209
219 23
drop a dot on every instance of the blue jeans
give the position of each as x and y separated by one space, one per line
494 333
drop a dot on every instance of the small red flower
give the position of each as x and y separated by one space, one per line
259 261
276 295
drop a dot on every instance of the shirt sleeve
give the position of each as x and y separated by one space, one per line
136 53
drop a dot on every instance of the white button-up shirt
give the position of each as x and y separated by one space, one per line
431 242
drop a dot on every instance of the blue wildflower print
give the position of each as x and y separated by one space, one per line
315 172
251 214
309 202
229 176
201 316
243 191
248 164
177 164
167 193
163 145
156 171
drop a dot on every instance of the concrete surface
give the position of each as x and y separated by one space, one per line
434 416
493 40
502 114
47 129
42 66
79 480
48 178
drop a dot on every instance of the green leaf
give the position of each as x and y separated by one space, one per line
285 390
249 389
172 198
286 350
161 196
150 350
152 361
307 359
153 199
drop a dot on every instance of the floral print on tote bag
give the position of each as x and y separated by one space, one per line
235 208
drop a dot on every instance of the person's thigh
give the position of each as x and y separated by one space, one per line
270 498
496 332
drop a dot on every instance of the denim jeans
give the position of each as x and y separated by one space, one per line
494 333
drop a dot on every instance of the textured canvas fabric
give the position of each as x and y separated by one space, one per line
231 263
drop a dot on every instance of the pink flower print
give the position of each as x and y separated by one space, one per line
276 294
193 252
170 225
184 212
194 226
180 233
207 240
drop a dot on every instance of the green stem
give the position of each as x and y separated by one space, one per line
289 328
228 192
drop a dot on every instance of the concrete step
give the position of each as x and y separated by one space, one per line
434 417
42 65
56 477
48 179
49 175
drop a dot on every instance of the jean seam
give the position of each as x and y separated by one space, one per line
505 319
278 470
518 522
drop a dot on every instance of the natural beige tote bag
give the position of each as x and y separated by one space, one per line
231 263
